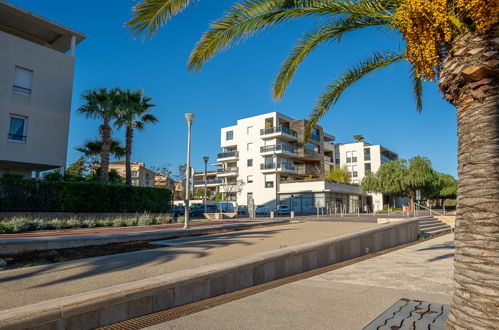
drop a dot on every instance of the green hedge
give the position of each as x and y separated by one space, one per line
28 195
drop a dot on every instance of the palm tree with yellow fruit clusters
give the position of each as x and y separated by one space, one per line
454 42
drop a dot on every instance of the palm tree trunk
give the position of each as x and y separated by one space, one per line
128 146
469 80
105 131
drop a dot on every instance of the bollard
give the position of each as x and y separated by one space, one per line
272 214
292 214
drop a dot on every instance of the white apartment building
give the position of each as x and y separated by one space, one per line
360 158
264 158
36 83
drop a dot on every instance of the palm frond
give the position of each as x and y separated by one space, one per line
248 17
334 90
333 30
150 15
417 86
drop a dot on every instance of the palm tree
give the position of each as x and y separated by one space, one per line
454 41
102 104
133 114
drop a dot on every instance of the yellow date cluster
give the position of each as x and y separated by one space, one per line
427 27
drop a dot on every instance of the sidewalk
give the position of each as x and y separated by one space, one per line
347 298
24 286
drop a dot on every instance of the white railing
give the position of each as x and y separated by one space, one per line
426 208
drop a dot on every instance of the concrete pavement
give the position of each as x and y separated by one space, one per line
20 287
346 298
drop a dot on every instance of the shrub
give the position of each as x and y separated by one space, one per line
73 223
119 222
6 228
181 219
29 195
90 223
22 224
130 222
58 223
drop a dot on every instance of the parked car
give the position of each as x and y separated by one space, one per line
197 210
178 210
282 210
261 210
226 206
242 209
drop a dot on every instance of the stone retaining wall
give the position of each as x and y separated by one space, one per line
106 306
67 215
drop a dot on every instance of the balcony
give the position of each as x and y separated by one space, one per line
279 149
209 183
230 171
278 132
282 167
307 170
228 155
315 137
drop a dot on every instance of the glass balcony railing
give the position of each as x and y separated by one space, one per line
315 137
208 182
278 148
280 165
227 154
228 170
278 129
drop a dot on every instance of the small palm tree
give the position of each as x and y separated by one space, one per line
133 114
454 41
102 104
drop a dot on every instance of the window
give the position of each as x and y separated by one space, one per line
355 171
22 81
367 154
249 146
269 184
354 156
249 179
17 128
349 156
249 130
367 167
135 182
229 135
135 173
250 162
313 147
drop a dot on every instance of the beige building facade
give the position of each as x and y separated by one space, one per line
36 81
141 176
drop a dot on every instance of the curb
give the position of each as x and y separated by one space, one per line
17 245
125 301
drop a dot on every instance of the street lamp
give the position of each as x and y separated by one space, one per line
189 117
205 158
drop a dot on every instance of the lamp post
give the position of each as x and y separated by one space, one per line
189 117
205 158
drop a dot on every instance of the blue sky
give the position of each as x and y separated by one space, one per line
237 84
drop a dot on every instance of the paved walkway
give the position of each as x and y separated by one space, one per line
343 299
24 286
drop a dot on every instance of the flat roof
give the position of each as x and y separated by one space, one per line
37 29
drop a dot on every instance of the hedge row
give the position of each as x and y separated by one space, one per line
29 195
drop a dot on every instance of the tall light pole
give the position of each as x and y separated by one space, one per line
205 158
189 117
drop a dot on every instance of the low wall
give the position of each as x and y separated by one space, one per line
448 219
17 245
67 215
121 302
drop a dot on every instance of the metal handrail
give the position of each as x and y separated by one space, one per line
429 209
278 129
227 154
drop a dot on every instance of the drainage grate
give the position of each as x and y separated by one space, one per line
198 306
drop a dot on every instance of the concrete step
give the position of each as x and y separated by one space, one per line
435 227
437 232
434 222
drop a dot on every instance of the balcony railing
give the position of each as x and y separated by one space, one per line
280 165
315 137
278 129
228 170
208 182
16 137
278 147
227 154
21 90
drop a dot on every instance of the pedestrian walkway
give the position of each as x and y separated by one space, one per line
343 299
29 285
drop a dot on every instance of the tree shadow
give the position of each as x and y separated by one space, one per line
444 246
176 248
441 257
